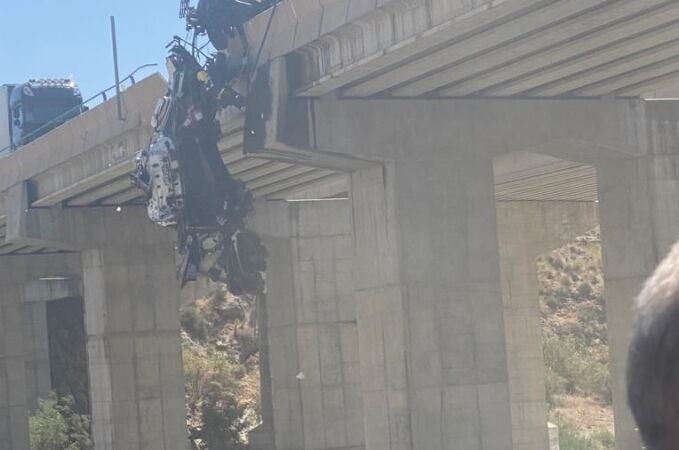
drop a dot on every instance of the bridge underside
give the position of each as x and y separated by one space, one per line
534 178
515 48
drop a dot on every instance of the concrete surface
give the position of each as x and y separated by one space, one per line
131 319
553 436
132 325
47 289
24 361
312 334
459 48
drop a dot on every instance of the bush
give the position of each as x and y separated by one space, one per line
193 323
571 439
574 369
223 425
213 387
585 290
556 262
55 426
552 302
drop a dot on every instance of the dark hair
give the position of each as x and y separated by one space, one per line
653 362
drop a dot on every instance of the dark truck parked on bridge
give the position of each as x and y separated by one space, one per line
29 110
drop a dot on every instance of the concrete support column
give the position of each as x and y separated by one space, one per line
23 375
639 224
629 256
310 378
38 379
429 303
527 230
132 324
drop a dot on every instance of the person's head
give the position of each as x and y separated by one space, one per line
653 364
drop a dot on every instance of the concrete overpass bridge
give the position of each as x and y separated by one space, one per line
453 141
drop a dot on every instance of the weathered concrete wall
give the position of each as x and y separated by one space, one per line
311 327
445 147
527 230
38 379
639 223
132 302
429 303
23 353
132 324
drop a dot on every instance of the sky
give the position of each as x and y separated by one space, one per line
60 38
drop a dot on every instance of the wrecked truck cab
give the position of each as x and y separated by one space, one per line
187 185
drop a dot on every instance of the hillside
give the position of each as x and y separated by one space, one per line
221 370
575 344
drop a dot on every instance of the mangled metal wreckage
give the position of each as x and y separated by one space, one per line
187 185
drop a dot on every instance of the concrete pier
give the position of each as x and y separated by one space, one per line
132 324
429 304
24 361
131 300
313 349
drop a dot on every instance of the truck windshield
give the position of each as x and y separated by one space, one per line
41 111
50 107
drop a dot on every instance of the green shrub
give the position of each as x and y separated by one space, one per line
585 290
552 302
193 324
575 369
555 262
572 439
55 426
213 387
223 422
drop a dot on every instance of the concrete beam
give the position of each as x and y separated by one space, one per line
565 50
520 27
279 127
33 227
92 170
292 24
53 288
589 131
70 229
330 63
